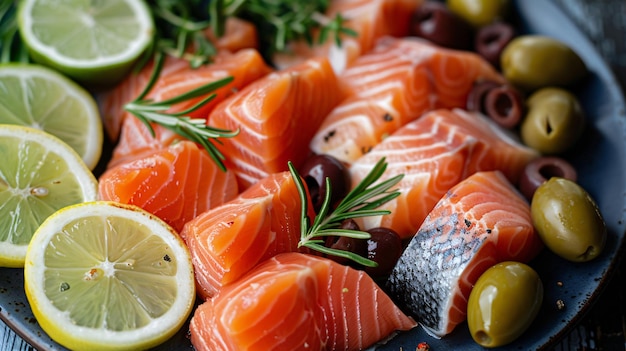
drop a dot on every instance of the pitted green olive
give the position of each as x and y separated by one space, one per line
480 13
554 121
530 62
503 303
568 220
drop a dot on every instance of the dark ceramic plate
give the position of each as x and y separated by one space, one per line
601 163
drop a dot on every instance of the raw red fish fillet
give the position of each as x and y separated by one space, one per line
111 102
136 141
245 66
229 240
395 83
371 19
296 301
434 153
481 221
178 77
175 184
238 34
276 116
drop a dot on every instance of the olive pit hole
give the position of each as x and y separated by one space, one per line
548 127
482 337
590 252
503 104
548 171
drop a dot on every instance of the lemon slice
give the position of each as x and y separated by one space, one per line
107 276
39 97
39 174
94 42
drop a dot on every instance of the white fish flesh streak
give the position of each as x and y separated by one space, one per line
481 221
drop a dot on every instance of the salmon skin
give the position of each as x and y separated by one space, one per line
276 117
296 301
176 183
371 19
229 240
435 152
395 83
481 221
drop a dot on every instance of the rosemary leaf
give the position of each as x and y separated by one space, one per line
194 129
362 201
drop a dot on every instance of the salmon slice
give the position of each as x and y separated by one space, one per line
371 19
434 153
239 34
136 141
111 102
296 301
481 221
395 83
178 77
229 240
175 184
276 116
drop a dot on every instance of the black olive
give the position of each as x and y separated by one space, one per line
315 171
491 40
357 246
478 94
541 170
384 247
434 22
505 105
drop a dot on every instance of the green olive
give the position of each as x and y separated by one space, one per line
503 303
568 220
554 121
480 13
530 62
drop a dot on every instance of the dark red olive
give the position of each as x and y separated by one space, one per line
434 22
477 95
357 246
383 247
491 40
541 170
505 105
314 172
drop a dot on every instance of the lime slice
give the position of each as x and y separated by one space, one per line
94 42
107 276
39 174
38 97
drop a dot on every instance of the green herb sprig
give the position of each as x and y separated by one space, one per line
180 26
194 129
361 201
279 22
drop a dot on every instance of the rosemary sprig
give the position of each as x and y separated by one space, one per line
194 129
362 201
181 25
279 22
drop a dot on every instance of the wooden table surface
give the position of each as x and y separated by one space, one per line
604 326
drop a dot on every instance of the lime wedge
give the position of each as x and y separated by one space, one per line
39 174
107 276
39 97
94 42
